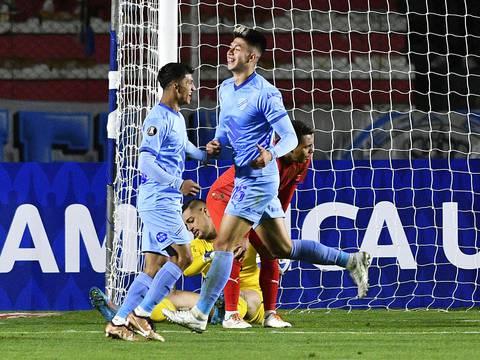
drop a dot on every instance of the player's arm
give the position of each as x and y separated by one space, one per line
285 195
149 166
195 153
288 139
271 104
153 136
219 142
201 259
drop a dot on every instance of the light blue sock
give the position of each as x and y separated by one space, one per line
161 285
215 280
135 294
316 253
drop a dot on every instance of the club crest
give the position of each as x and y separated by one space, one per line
242 103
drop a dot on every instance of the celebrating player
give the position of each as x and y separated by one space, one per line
293 169
251 110
165 240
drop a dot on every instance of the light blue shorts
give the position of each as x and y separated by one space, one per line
255 198
162 228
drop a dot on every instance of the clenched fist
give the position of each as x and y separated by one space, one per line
189 187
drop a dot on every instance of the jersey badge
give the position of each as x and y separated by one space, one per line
152 130
242 103
161 237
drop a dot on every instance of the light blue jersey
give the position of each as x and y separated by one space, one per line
250 114
165 137
161 163
247 114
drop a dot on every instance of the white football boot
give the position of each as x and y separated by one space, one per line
235 322
357 267
191 319
273 320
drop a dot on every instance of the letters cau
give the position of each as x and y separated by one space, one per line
79 228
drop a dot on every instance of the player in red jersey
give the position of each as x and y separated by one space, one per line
293 169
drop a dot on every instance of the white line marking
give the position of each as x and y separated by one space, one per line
253 332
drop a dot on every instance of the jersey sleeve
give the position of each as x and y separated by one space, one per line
153 134
148 166
304 172
198 254
271 105
285 194
195 153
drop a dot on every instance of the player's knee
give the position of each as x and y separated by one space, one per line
184 261
281 251
151 269
223 245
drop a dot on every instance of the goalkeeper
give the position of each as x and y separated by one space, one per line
250 300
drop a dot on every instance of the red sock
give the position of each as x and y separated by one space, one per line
269 278
232 289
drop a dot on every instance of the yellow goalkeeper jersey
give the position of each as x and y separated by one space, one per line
200 263
249 275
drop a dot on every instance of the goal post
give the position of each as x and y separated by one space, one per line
143 39
392 90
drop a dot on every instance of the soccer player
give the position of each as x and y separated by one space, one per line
249 299
250 302
293 168
165 239
251 110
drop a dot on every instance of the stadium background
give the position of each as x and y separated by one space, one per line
53 107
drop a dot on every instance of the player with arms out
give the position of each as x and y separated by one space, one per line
165 239
251 111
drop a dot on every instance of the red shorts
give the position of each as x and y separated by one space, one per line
216 204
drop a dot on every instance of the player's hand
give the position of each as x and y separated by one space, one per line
189 187
213 148
240 250
263 159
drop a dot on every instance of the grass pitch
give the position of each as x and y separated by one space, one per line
374 334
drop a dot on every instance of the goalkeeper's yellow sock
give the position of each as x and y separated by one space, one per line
157 314
242 307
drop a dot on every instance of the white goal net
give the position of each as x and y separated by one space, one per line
391 89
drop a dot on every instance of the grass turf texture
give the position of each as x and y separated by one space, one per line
336 334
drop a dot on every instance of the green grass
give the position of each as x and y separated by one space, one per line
375 334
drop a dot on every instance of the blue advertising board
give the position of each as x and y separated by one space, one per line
419 219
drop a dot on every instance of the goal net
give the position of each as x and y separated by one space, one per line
391 89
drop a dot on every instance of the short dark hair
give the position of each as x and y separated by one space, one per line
252 37
192 204
301 129
172 72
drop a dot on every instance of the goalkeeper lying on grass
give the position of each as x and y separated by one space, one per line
250 302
